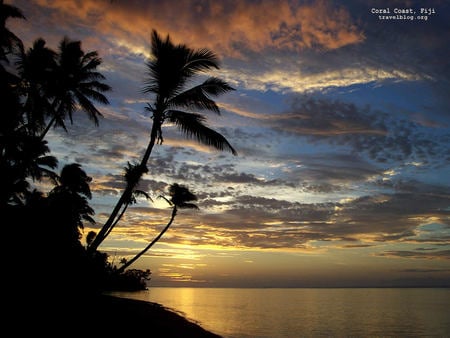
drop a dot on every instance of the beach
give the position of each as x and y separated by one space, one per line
145 318
100 316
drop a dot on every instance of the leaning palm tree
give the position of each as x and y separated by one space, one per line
180 198
170 69
132 176
76 83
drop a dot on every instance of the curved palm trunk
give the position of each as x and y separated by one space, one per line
111 220
125 197
119 217
131 261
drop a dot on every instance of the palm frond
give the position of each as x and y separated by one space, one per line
75 179
200 60
90 76
188 206
193 127
138 192
88 106
48 161
172 65
194 98
91 61
91 90
180 196
133 173
89 218
198 96
166 199
164 69
215 86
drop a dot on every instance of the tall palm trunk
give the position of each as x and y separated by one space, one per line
118 218
168 73
126 195
143 251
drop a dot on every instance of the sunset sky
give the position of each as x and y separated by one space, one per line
340 120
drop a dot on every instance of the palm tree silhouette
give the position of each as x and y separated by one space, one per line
37 67
69 203
132 176
75 84
169 71
23 157
180 198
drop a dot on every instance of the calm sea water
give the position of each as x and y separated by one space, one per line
281 313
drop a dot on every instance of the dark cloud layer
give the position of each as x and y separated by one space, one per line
381 136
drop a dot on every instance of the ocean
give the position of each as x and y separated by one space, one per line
304 312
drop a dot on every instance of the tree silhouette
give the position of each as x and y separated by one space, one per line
180 197
170 69
132 175
69 203
12 183
75 83
36 68
23 157
42 83
43 91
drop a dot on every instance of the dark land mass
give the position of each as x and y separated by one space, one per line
145 317
103 316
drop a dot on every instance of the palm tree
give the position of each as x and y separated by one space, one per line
169 71
37 67
180 198
69 203
67 210
23 157
76 82
132 175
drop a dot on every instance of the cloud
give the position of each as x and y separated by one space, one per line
258 222
315 171
301 46
420 46
226 27
424 270
381 136
442 254
259 25
230 218
294 74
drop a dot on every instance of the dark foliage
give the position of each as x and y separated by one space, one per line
129 280
41 89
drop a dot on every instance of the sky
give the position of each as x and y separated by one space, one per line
340 118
